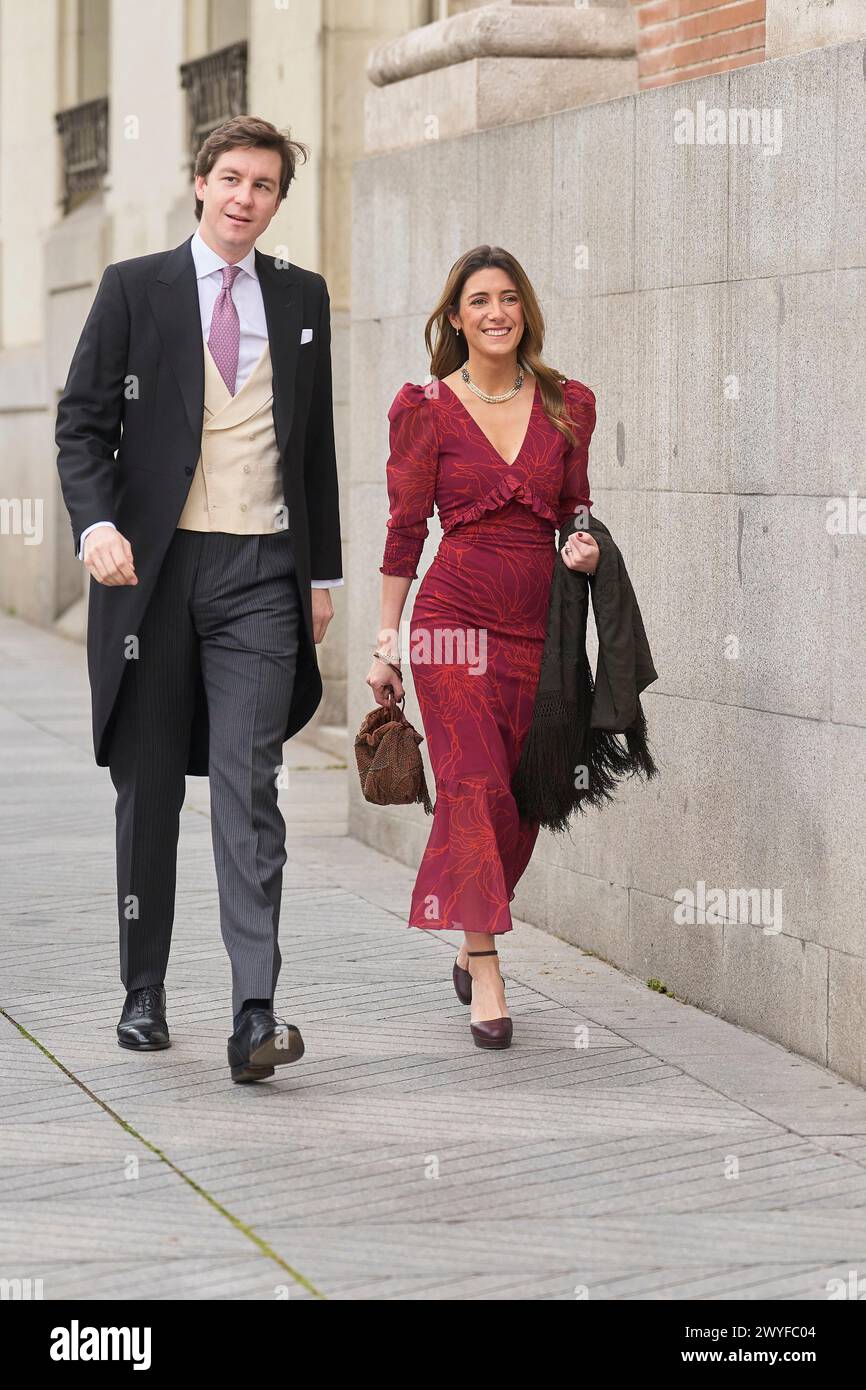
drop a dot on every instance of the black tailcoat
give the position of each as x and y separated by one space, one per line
129 429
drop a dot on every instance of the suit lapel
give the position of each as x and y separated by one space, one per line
174 300
281 292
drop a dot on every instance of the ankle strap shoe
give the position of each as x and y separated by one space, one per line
493 1033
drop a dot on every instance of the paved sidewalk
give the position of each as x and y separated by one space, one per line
671 1156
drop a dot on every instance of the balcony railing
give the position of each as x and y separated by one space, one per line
216 88
83 132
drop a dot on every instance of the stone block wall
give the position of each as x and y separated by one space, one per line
713 295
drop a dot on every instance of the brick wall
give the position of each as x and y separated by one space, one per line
679 39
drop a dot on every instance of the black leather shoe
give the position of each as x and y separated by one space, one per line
260 1042
142 1025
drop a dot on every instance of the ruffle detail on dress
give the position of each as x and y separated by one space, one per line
508 489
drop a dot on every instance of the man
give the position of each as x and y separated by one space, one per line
197 462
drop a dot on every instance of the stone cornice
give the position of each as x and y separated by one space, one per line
505 31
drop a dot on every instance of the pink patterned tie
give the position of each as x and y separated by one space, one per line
225 330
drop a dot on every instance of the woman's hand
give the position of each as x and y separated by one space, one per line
581 552
381 678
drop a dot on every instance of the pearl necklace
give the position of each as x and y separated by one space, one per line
483 395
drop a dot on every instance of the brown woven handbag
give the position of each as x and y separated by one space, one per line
389 758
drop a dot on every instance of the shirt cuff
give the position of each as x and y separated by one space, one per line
325 583
86 532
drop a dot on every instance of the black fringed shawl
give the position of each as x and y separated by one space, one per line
573 735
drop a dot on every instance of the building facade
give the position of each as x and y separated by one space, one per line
698 245
683 182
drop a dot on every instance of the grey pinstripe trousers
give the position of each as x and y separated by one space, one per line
225 612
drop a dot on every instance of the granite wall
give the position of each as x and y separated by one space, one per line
714 297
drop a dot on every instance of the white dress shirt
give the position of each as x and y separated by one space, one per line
246 294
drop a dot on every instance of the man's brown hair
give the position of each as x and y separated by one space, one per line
248 132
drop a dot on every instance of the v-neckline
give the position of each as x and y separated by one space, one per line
489 441
250 374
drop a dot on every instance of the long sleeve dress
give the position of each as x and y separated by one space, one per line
478 628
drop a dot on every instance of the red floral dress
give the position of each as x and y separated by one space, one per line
478 627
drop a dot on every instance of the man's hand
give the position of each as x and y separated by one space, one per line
323 611
108 557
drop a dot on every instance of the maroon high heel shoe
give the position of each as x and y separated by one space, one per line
491 1032
462 983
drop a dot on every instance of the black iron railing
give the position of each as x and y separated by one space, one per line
216 88
83 132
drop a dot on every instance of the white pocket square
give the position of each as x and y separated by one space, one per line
306 335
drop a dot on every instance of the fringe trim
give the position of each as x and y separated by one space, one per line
559 743
637 741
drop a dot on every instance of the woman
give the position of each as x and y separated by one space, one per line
499 442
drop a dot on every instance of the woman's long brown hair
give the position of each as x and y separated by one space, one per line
449 351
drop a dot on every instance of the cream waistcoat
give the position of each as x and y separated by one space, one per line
237 485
